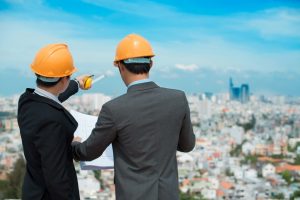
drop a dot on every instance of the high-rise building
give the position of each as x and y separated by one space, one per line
230 88
245 93
241 94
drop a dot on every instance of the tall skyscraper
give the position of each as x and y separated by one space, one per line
241 94
245 93
230 88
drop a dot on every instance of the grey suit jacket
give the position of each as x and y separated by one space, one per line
145 126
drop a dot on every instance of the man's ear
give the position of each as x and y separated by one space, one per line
151 63
115 63
121 67
64 80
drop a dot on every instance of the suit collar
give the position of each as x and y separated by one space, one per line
46 94
138 82
35 97
142 86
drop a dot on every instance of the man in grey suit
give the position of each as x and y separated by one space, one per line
146 127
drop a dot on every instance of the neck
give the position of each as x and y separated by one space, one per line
52 90
136 77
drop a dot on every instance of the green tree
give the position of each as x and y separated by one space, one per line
287 176
185 196
279 156
97 174
3 188
250 159
295 194
228 172
289 148
235 152
293 149
278 196
249 125
297 160
12 188
188 196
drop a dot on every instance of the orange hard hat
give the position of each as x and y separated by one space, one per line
53 60
133 46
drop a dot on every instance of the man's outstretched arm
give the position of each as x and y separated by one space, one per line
101 137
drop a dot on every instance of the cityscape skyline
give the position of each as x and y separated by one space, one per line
15 81
249 151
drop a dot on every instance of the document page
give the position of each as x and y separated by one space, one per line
86 123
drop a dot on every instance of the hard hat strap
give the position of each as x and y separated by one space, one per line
137 60
47 79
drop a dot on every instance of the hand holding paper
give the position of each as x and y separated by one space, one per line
86 123
77 139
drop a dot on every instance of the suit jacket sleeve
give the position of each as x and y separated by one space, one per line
102 135
53 149
72 89
186 141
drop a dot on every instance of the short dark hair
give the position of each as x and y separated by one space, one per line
137 68
39 82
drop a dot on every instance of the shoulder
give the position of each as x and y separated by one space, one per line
165 93
116 101
40 110
173 93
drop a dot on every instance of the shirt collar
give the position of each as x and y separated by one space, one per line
46 94
138 82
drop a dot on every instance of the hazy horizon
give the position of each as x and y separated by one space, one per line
15 81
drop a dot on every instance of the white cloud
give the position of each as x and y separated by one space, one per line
219 54
22 35
270 23
191 67
110 73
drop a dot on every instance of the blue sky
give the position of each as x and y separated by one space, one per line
198 44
